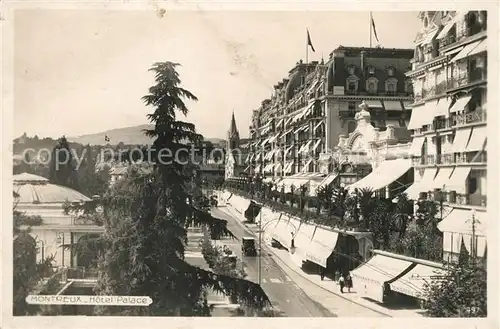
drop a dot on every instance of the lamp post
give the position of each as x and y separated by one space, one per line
60 238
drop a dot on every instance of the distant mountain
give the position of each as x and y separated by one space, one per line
128 136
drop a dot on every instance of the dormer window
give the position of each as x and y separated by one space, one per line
390 71
371 85
352 84
352 70
391 85
371 70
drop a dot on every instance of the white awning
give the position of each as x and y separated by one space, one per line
393 106
416 146
386 173
442 107
461 140
273 138
477 140
321 247
413 283
306 146
279 122
282 233
303 236
421 116
305 168
481 47
328 180
407 105
423 186
314 84
460 104
257 169
452 242
371 276
457 180
373 104
461 220
286 132
318 125
316 145
429 37
446 29
277 167
288 168
288 150
465 52
288 121
442 178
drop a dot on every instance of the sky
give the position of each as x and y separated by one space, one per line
84 71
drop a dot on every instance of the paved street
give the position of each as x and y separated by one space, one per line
285 294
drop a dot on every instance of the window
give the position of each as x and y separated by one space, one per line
352 86
371 85
351 106
391 87
371 70
390 71
424 152
472 185
408 86
352 70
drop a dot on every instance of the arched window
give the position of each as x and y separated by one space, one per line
391 85
352 84
390 71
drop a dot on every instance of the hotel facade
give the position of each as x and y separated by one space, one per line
448 122
311 131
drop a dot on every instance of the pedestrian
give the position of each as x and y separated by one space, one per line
342 283
348 280
322 272
337 276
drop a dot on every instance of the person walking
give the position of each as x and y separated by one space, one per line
342 283
322 272
349 282
337 275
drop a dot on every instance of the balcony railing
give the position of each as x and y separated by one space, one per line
476 200
451 159
476 75
448 40
479 115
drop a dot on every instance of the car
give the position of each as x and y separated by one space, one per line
248 247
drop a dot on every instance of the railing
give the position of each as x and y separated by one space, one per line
479 115
82 273
447 40
476 200
467 78
451 159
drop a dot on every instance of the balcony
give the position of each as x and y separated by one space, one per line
478 158
479 115
448 40
475 76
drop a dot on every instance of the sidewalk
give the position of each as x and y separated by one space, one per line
311 282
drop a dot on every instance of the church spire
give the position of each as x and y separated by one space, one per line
233 131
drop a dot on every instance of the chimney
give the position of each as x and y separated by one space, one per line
339 67
362 54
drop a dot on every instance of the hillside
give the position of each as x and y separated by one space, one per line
128 136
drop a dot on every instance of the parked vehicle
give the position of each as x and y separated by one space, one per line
248 247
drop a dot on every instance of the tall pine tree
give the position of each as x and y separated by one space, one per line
146 219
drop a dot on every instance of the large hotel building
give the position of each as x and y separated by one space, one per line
392 120
449 75
298 130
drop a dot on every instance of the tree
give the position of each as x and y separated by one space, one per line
91 180
403 213
142 252
27 272
62 166
460 293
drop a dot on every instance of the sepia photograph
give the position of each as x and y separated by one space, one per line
247 163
